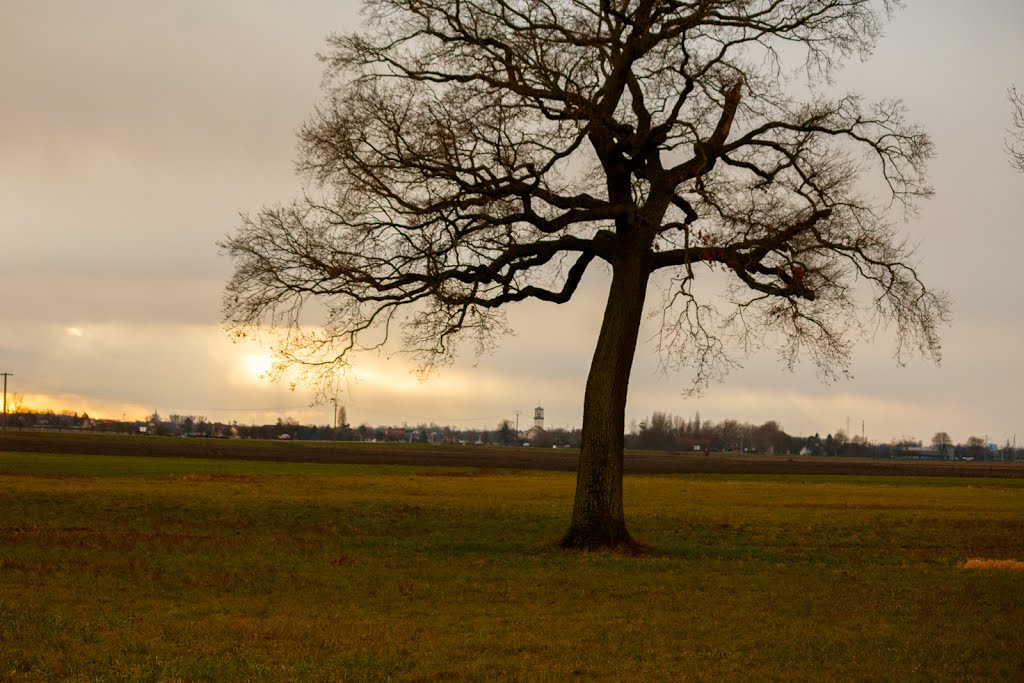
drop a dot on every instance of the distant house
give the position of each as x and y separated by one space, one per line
533 432
920 452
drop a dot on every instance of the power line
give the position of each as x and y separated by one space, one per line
272 409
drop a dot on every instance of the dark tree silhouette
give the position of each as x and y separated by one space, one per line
473 154
941 442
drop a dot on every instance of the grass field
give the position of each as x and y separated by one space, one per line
115 568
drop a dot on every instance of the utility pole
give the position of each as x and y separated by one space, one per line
6 375
517 422
335 402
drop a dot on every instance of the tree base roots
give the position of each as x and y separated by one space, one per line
613 537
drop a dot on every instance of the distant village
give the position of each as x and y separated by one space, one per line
660 432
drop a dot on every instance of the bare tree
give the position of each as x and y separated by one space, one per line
976 446
470 155
1015 135
941 442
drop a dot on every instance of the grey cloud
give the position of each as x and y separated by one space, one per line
135 132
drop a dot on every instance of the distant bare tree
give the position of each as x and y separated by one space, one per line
976 446
941 442
1015 139
470 155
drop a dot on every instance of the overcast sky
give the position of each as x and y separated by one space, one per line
135 131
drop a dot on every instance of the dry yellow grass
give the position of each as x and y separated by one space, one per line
998 565
211 477
119 568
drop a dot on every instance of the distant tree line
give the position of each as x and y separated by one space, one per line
19 417
667 432
662 431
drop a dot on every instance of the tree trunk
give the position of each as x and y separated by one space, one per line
597 517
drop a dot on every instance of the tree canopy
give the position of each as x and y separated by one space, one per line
473 154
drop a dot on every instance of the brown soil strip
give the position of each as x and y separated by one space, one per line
493 457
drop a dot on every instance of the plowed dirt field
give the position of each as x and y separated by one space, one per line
484 456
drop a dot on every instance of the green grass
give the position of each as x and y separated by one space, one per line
119 568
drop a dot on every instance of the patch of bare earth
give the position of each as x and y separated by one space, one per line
994 565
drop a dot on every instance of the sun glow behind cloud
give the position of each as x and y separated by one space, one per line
112 370
254 366
81 405
134 327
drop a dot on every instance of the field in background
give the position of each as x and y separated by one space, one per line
469 455
199 569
